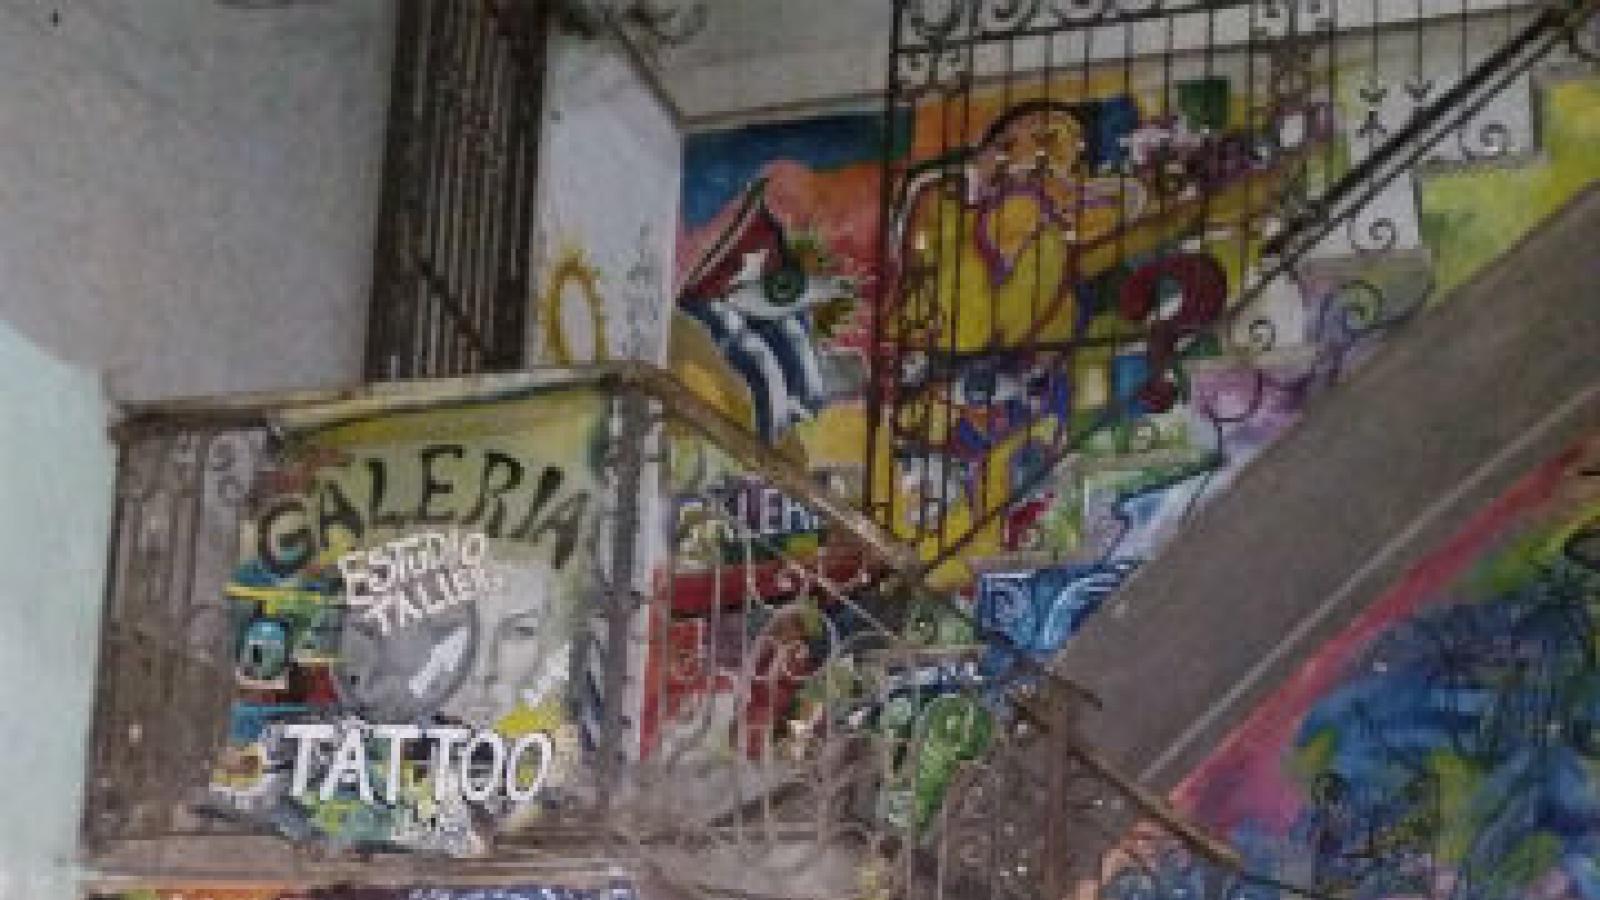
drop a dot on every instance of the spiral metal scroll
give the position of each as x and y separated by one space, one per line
837 744
935 24
1585 40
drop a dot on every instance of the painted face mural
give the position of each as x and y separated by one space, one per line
1443 744
405 605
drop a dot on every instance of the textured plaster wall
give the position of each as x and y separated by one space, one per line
187 195
610 167
55 502
187 190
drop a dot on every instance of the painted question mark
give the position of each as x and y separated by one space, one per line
1204 288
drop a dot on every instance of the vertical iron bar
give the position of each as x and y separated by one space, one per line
450 262
889 277
633 424
384 327
473 141
968 75
95 801
930 341
527 47
436 213
1247 216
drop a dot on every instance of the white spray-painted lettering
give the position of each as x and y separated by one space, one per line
457 751
416 576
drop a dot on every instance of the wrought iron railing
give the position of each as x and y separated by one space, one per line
756 698
451 277
1081 197
765 692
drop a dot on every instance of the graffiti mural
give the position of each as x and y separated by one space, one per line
749 609
1068 371
572 313
408 589
586 314
776 250
777 245
766 298
1063 363
1443 743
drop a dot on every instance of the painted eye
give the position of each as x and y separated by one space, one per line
784 286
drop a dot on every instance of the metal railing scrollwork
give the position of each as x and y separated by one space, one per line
754 701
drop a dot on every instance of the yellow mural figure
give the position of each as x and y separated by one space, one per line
991 247
994 242
990 251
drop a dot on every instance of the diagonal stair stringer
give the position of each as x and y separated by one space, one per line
1445 416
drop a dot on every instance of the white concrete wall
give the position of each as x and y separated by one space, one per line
611 161
56 474
187 199
758 56
188 190
610 165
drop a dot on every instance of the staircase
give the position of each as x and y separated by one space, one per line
1445 417
1110 282
1079 349
1072 405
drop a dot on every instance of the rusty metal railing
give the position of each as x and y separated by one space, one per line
1176 160
756 700
452 263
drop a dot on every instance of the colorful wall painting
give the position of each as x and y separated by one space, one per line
776 254
404 607
1114 225
1443 743
777 247
776 250
742 624
1137 239
1130 250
